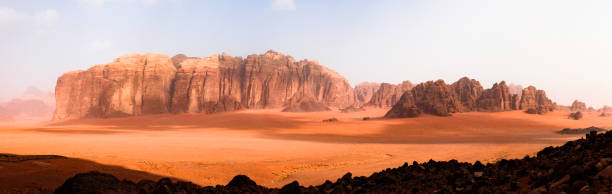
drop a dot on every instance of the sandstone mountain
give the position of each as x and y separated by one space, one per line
405 108
578 106
140 84
436 98
388 95
365 91
467 95
32 104
495 99
534 100
468 92
151 84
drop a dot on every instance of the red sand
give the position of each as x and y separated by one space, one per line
275 148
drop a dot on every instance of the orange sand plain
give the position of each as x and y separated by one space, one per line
275 148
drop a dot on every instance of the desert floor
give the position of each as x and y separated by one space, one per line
271 147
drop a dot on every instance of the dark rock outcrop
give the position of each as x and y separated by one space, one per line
578 106
388 95
580 166
582 130
351 109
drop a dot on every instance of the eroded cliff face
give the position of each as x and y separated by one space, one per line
130 85
259 81
495 99
151 84
388 95
468 92
535 101
364 92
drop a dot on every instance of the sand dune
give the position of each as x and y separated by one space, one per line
275 148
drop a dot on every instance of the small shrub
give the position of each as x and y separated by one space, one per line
331 120
576 115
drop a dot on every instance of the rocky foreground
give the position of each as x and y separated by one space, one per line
581 166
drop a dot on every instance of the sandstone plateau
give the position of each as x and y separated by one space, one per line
154 83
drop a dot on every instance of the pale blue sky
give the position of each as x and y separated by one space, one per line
564 47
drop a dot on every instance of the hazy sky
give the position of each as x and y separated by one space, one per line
564 47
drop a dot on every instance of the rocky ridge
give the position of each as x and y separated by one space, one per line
151 84
138 84
467 95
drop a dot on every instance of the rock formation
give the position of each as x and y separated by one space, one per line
388 95
405 108
131 85
495 99
436 98
364 92
468 92
151 84
535 101
466 95
32 104
578 106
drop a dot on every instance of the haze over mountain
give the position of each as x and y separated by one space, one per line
565 54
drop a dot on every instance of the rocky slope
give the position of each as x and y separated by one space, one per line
151 84
581 166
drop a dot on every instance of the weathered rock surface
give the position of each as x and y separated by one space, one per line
580 166
578 106
388 95
150 84
131 85
364 92
495 99
466 95
468 92
436 98
536 101
405 108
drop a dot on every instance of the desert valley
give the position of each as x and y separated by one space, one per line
272 118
